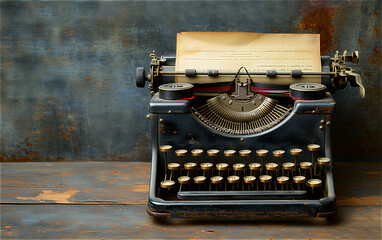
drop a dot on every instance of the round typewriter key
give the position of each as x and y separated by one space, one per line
197 152
305 165
271 166
245 153
206 167
306 169
173 166
238 167
233 179
165 148
283 181
315 187
181 152
278 153
266 180
250 180
221 166
295 152
217 181
288 168
167 184
324 161
200 181
190 166
183 180
314 183
234 182
313 147
254 169
262 153
213 152
229 153
299 179
254 166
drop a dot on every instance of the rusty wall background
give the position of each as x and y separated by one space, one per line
67 70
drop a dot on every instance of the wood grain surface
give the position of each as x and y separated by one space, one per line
107 200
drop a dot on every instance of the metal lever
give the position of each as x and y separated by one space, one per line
356 78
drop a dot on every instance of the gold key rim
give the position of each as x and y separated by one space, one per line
190 166
271 166
278 153
245 153
181 152
262 153
313 147
167 184
165 148
306 165
254 166
216 179
288 166
314 183
323 161
222 166
229 153
206 166
200 179
233 179
238 166
184 179
295 151
197 152
282 180
265 178
299 179
173 166
213 152
249 179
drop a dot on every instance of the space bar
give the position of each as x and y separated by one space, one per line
242 195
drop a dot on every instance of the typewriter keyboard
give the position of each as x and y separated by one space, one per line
238 176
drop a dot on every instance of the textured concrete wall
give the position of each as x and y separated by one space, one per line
67 70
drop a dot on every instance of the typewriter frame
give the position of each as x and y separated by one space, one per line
325 207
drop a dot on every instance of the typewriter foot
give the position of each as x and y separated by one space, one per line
328 215
157 214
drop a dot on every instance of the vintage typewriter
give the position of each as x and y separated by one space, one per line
242 149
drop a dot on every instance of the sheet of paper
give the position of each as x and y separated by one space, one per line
229 51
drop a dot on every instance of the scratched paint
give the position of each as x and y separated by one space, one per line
67 76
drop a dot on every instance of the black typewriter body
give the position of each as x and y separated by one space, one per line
299 132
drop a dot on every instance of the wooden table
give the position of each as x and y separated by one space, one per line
108 200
